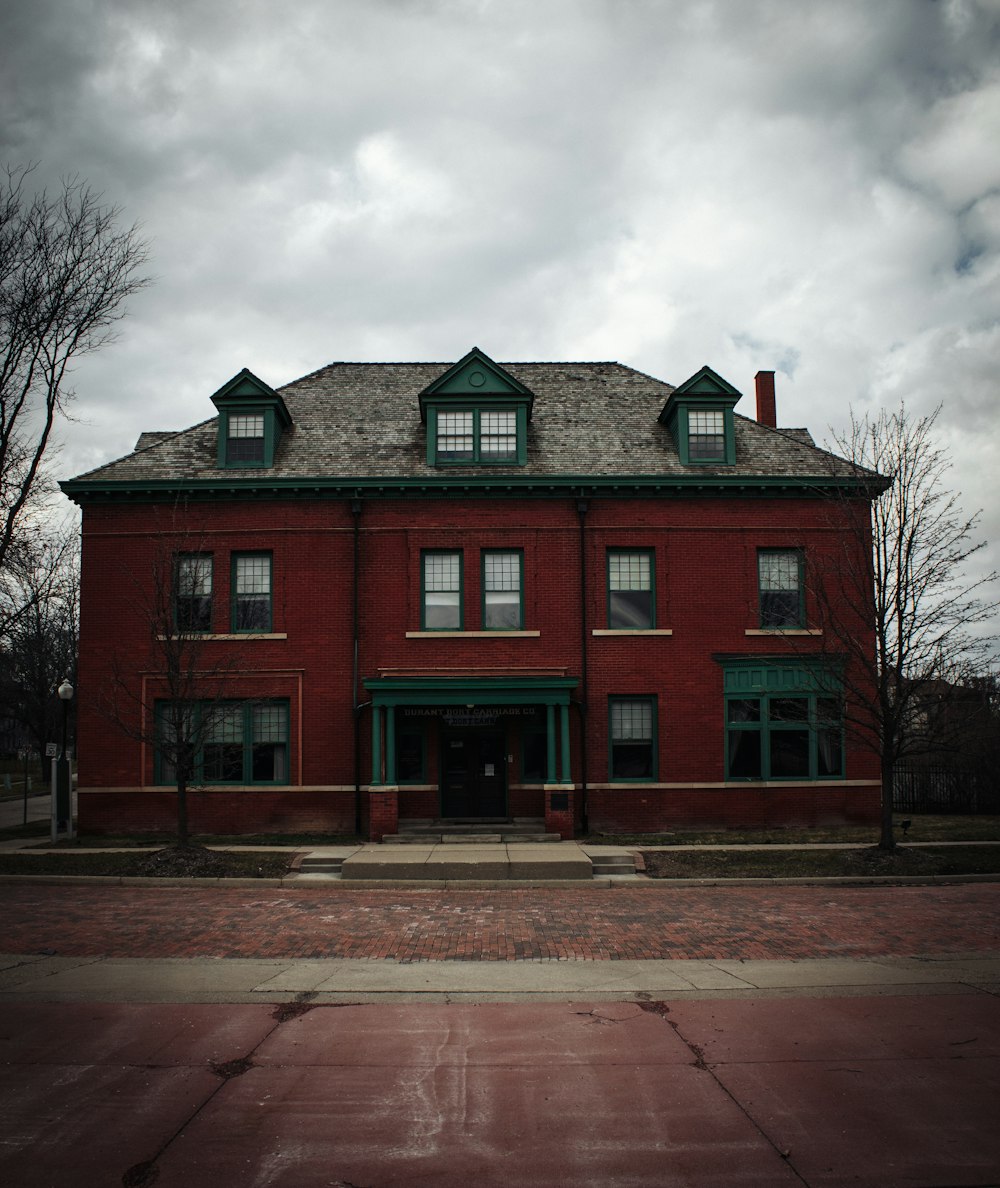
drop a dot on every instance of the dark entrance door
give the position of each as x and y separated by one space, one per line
473 773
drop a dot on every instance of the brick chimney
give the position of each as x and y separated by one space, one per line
767 413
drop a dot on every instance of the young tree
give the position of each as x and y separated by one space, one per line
66 271
182 709
912 586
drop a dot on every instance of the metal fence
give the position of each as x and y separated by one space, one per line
944 790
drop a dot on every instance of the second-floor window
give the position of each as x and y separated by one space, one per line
193 592
502 591
779 576
631 601
442 591
251 592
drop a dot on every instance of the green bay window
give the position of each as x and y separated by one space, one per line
783 722
631 592
632 738
230 742
502 601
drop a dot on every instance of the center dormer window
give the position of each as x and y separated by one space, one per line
476 414
245 441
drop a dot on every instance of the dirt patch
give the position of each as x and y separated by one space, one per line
869 861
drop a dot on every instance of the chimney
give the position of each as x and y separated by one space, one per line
766 409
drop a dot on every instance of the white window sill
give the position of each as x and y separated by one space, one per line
633 631
473 634
207 635
784 631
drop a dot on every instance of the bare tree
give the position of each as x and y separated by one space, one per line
181 710
905 577
42 587
66 271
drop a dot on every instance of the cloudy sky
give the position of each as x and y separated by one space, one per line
808 186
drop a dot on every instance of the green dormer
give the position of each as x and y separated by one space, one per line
699 415
476 414
252 417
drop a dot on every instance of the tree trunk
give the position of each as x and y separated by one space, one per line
182 815
886 839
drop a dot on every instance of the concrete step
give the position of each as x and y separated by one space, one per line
468 839
613 864
470 862
321 865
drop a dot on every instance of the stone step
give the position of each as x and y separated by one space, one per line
613 864
468 839
319 865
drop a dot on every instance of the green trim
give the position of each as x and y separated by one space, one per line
477 459
519 554
651 554
474 376
646 699
241 485
470 690
424 554
233 593
246 395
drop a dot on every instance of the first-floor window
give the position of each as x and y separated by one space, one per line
229 742
784 736
442 591
409 756
632 722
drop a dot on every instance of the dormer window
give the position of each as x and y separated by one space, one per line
252 418
476 414
707 436
245 439
699 415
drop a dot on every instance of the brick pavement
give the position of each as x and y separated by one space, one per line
588 923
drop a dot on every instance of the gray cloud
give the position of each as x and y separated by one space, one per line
748 183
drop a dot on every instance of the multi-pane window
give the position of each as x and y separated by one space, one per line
245 437
455 437
498 436
779 575
230 742
706 435
632 729
251 592
782 737
442 591
631 600
409 756
488 436
502 591
193 592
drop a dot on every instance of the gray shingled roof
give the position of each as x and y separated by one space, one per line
362 420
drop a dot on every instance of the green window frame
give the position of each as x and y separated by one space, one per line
477 436
251 592
235 742
706 435
193 579
503 589
631 583
784 735
632 739
246 437
781 588
441 590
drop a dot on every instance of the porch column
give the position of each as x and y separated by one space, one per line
564 738
376 744
550 741
390 745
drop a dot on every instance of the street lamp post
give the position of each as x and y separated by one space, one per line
62 777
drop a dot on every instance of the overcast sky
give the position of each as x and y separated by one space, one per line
808 186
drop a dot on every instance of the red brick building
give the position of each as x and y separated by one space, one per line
416 591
